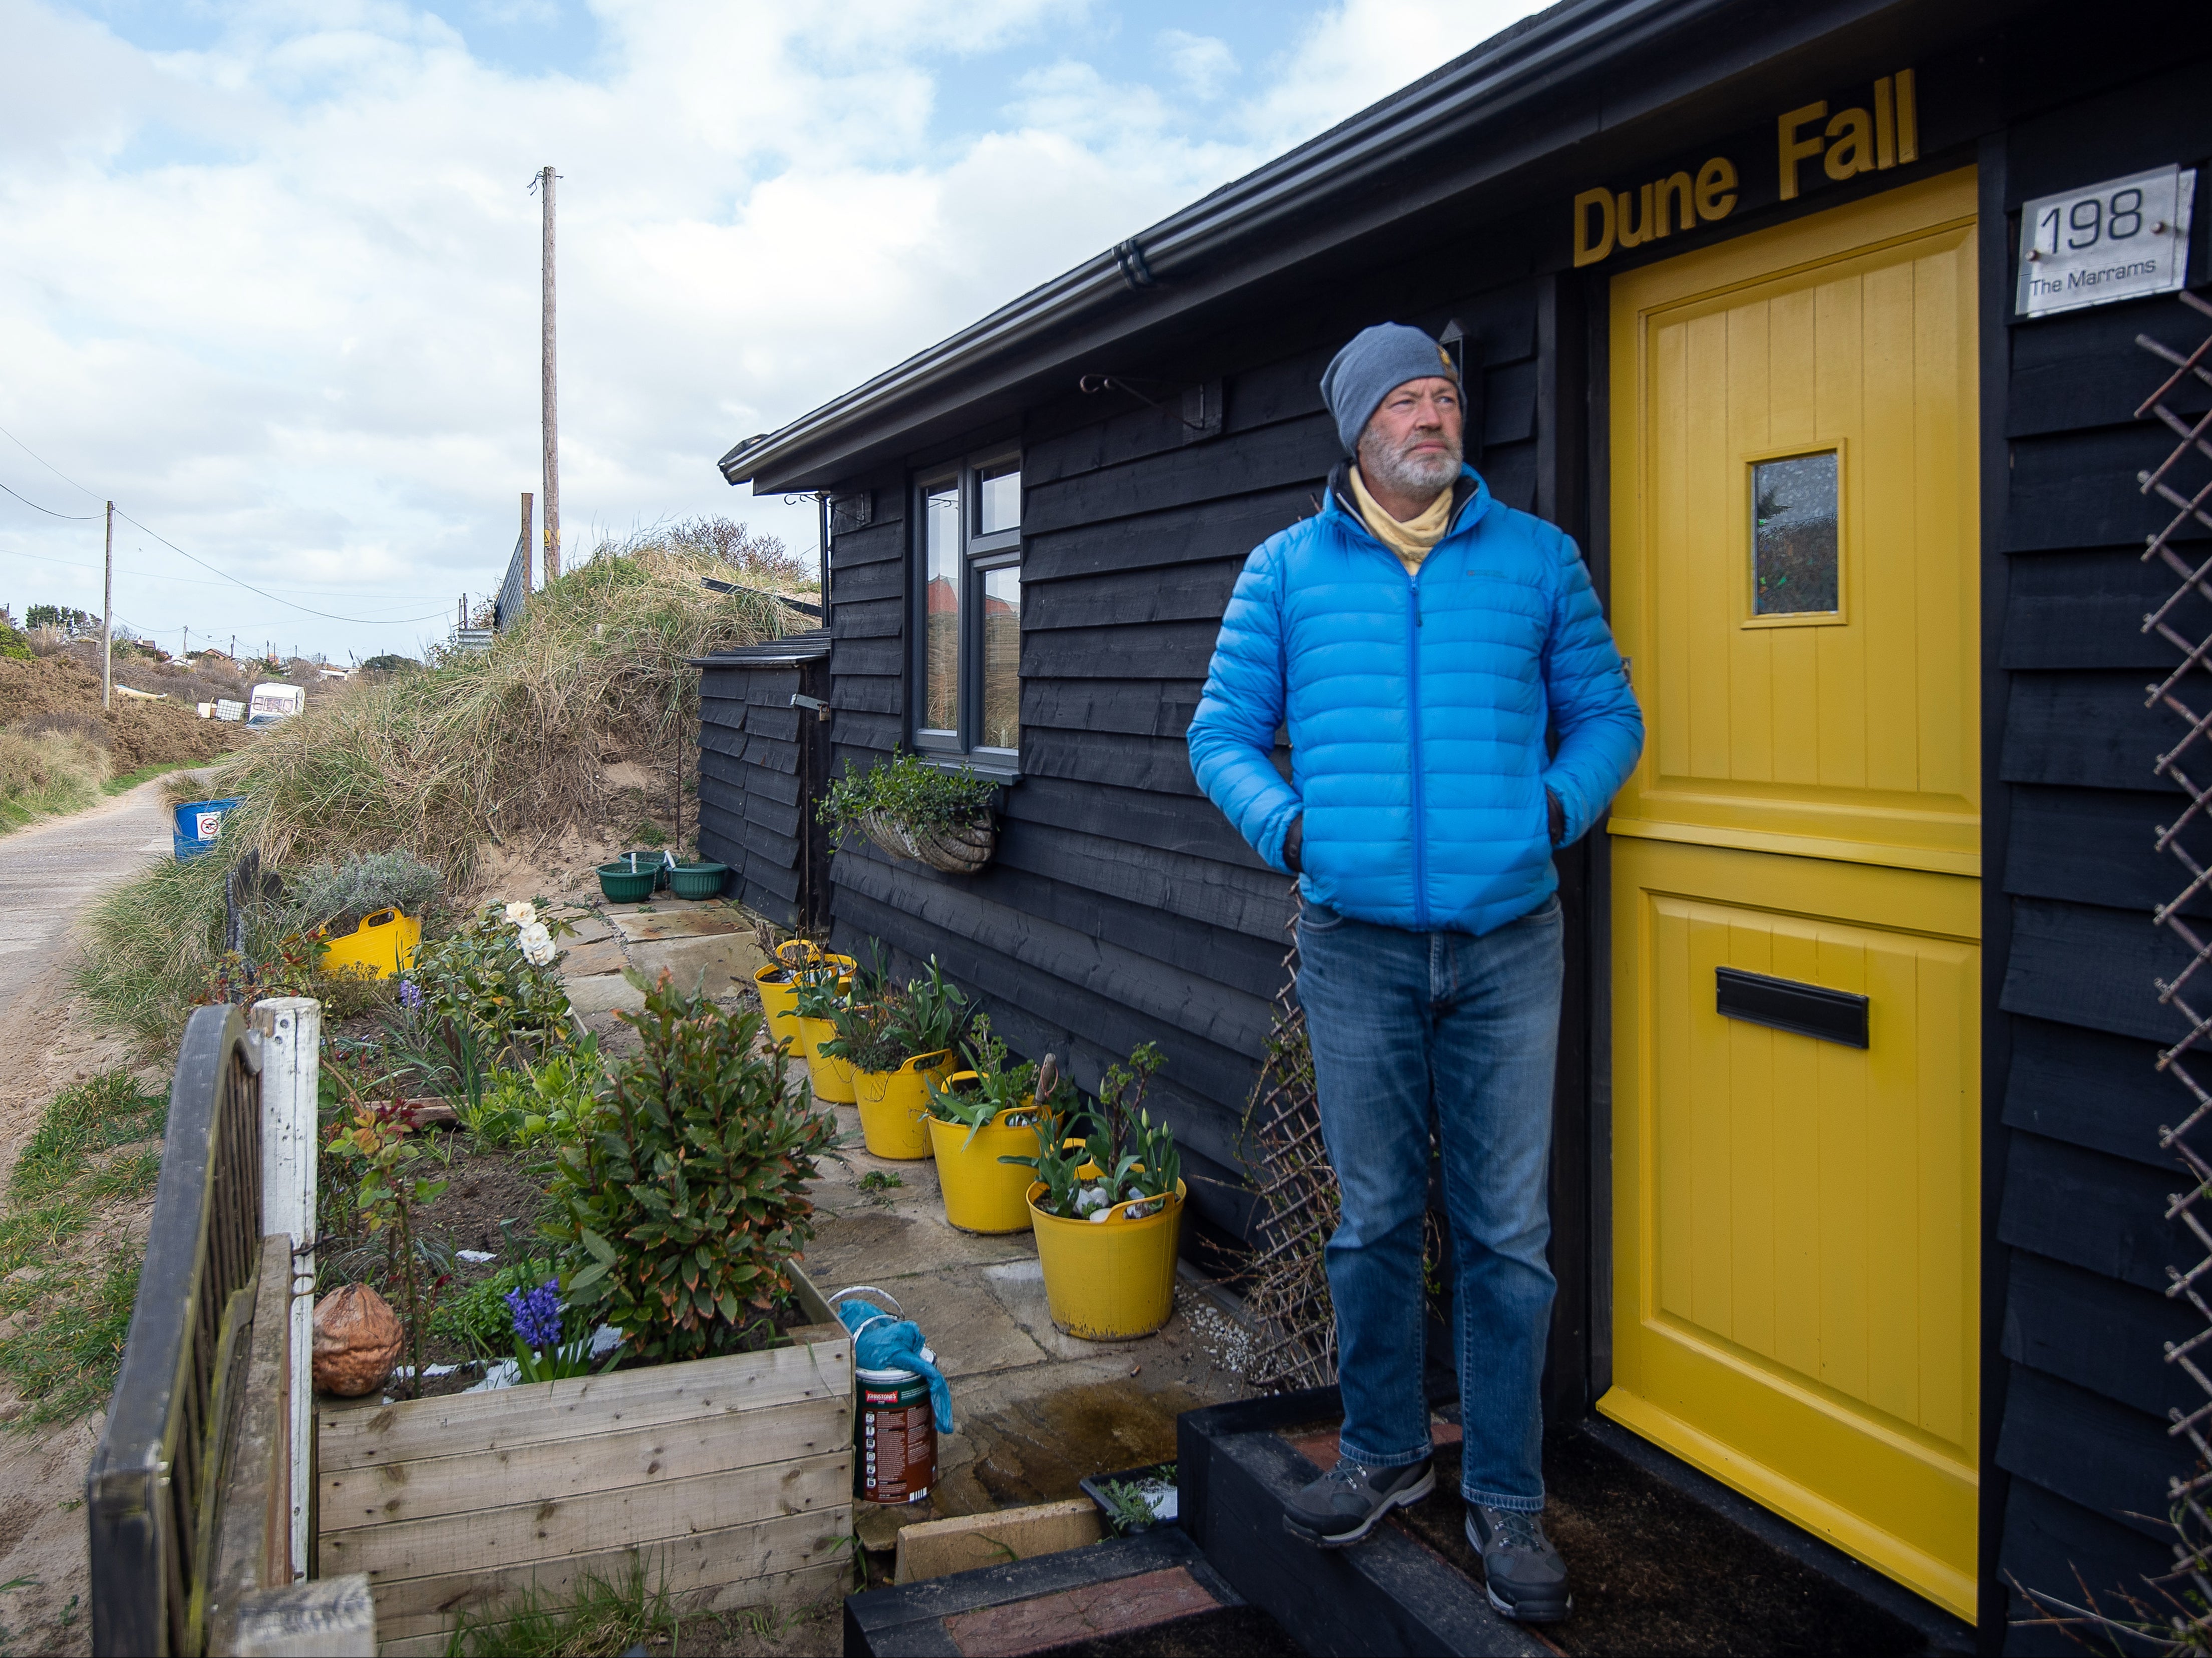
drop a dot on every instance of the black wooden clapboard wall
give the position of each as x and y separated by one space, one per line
762 761
1122 907
2078 1185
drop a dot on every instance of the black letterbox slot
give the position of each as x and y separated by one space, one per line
1832 1016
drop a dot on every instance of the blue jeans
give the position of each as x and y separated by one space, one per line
1408 1027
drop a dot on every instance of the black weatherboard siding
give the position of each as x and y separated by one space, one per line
2077 1385
762 758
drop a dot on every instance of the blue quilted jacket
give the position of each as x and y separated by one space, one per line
1417 707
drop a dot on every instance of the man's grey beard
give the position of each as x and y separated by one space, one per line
1400 473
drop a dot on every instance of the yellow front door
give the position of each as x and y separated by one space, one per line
1796 873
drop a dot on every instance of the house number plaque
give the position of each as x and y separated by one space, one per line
2120 239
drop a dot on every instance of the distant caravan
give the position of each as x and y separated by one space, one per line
271 703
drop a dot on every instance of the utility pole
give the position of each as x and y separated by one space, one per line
107 619
527 554
552 440
185 649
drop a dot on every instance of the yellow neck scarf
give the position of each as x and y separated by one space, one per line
1410 538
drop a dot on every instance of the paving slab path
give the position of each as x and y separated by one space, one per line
50 872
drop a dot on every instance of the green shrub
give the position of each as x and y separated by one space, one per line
688 1190
14 646
339 894
478 975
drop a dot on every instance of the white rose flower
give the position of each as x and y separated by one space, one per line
522 914
536 945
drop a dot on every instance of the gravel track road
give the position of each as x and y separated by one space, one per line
51 871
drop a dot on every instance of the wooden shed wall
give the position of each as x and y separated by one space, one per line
760 760
1121 907
2077 1184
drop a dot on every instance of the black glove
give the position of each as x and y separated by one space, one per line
1293 843
1558 817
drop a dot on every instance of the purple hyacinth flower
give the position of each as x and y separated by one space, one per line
536 1315
411 995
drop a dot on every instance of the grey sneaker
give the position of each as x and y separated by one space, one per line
1345 1503
1525 1578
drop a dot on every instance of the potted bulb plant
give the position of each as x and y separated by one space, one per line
978 1116
1108 1211
824 987
897 1043
778 986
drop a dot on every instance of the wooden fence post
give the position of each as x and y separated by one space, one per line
291 1028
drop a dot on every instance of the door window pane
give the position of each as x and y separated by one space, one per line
1793 535
1002 658
1000 508
940 699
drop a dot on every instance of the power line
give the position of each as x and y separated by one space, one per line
74 518
360 620
193 581
326 615
48 464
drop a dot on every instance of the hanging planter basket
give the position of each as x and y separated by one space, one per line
961 850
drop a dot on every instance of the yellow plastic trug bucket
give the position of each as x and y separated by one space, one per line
982 1195
832 1078
894 1105
778 985
1110 1280
383 943
778 1001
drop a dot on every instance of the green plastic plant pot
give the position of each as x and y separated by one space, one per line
645 855
697 880
621 887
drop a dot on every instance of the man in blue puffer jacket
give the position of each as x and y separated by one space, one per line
1419 638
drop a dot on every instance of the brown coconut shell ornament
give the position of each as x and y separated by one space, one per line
357 1337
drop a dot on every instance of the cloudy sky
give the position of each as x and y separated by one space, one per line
269 270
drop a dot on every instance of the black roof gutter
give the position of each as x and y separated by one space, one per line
1529 69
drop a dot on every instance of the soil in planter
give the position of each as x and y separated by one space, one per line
483 1189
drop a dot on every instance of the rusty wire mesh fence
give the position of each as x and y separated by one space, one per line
1288 1299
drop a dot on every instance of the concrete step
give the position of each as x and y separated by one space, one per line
1153 1594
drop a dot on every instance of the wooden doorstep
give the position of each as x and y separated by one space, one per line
563 1470
350 1435
707 1563
938 1548
522 1533
805 1587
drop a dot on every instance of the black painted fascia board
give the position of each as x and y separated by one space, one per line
1554 81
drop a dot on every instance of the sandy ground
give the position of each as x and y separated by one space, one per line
48 873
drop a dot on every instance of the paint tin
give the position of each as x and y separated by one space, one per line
894 1438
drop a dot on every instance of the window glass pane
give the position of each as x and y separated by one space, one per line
1793 535
940 526
1001 508
1002 658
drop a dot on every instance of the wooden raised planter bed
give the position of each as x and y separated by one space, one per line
729 1479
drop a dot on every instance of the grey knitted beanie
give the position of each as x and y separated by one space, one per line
1378 361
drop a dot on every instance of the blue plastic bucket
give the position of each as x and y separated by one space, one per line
199 822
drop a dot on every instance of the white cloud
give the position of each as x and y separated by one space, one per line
1204 64
279 293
